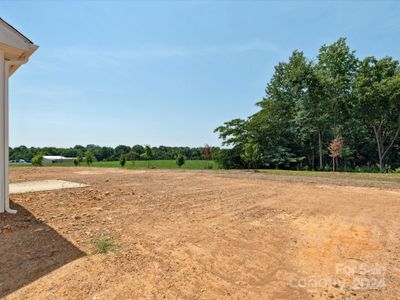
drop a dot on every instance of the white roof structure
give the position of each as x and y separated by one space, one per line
57 158
54 157
15 50
16 47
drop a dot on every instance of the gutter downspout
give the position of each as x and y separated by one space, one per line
7 67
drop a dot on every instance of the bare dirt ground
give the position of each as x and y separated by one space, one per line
200 235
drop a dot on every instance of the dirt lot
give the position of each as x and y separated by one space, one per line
206 235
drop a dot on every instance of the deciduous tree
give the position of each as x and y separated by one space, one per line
378 95
335 151
89 156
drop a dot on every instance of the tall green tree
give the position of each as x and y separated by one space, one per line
234 132
309 104
313 114
378 95
337 67
274 127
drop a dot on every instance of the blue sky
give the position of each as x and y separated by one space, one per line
168 73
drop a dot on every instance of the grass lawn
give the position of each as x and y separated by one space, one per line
201 164
140 164
392 177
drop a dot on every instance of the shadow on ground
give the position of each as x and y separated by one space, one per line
29 249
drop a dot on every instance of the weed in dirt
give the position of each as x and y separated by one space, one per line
104 245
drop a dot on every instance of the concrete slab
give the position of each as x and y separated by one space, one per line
43 185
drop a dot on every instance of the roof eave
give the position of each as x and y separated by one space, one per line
16 31
22 59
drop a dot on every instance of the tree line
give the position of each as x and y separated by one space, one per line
336 111
99 153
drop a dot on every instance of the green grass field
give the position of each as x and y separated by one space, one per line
391 177
201 165
140 164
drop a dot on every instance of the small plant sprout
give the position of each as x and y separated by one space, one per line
105 245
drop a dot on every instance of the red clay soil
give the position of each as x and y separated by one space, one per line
198 235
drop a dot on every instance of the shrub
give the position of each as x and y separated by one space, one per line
37 160
132 156
148 154
180 160
89 157
122 160
79 159
229 158
367 169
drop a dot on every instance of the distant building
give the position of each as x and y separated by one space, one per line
51 159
